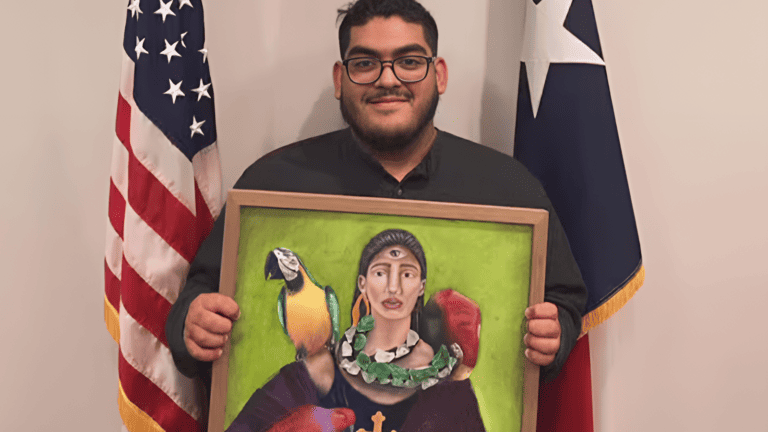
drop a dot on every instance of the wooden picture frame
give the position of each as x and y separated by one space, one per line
328 232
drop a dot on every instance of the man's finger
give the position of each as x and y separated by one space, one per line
211 322
544 310
548 346
544 328
538 358
200 353
221 304
205 339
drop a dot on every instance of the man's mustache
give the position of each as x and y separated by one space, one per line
390 93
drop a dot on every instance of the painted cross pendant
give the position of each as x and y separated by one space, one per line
378 423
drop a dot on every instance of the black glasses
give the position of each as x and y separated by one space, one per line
407 69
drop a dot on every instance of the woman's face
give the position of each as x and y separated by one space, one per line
392 283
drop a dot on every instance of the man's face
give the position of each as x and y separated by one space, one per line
389 114
392 283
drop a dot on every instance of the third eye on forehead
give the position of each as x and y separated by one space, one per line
386 267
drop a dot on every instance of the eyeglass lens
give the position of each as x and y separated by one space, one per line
407 69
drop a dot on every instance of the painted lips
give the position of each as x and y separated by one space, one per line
392 303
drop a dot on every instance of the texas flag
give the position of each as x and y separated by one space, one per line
566 135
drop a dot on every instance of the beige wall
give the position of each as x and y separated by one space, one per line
688 80
689 86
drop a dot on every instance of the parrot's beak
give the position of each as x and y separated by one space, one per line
272 268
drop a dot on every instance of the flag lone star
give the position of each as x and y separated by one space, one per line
548 41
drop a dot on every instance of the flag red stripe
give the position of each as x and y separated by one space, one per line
565 404
144 304
123 123
116 208
111 287
159 209
204 217
149 398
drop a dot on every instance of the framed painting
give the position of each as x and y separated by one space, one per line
493 258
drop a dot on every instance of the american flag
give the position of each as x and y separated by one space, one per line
165 192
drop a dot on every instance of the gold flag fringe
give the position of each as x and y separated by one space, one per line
610 307
134 418
112 319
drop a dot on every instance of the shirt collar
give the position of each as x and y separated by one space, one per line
424 169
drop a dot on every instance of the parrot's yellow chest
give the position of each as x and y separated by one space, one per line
307 319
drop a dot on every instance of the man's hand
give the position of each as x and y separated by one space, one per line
208 324
543 337
310 418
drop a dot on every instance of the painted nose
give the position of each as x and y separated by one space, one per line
393 285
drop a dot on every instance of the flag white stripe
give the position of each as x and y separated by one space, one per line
114 252
152 258
126 78
152 359
119 176
207 168
119 171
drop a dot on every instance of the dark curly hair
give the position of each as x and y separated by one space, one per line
358 13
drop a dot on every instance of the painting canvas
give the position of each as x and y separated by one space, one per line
493 256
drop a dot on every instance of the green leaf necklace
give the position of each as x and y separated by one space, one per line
351 358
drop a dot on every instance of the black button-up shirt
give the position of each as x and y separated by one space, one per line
454 170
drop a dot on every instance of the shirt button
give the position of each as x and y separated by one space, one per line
399 191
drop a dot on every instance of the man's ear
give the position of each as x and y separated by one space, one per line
441 72
338 75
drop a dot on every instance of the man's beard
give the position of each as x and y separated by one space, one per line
390 141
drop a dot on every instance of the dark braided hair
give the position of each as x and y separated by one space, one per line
381 241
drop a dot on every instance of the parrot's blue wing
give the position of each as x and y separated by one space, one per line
281 309
333 309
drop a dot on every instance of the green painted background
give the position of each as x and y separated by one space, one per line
488 262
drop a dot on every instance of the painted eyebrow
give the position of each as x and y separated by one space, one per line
360 50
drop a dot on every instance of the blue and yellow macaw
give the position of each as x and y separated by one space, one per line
309 314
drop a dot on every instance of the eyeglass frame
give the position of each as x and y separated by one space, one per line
430 60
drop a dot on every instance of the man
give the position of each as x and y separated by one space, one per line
388 85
